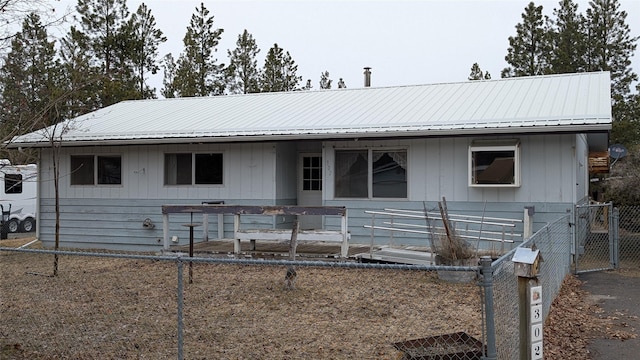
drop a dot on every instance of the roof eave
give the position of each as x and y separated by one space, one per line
347 134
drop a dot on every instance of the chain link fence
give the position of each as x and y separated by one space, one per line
628 237
595 237
607 238
137 306
554 242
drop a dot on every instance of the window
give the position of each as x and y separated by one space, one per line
494 164
109 170
371 173
311 173
389 178
96 170
190 169
12 184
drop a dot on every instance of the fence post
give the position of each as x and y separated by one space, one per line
487 283
180 309
614 238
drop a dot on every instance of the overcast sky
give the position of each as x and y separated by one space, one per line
404 42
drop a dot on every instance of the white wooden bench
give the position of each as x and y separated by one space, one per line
240 233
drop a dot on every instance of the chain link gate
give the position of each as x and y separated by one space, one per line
595 238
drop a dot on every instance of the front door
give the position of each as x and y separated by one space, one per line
310 187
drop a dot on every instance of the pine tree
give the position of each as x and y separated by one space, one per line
110 38
82 81
279 72
611 45
197 73
13 13
325 82
147 38
568 39
477 74
243 72
626 125
528 50
169 67
30 81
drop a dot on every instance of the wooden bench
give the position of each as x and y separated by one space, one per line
239 233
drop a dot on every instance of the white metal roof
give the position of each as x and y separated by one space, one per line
555 103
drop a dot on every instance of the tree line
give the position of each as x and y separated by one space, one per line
569 42
108 53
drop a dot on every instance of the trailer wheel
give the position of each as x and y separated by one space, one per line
12 225
28 225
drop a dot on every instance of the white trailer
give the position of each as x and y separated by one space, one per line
18 196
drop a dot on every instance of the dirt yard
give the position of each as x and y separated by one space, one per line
102 308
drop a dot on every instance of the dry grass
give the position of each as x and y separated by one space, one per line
101 308
126 309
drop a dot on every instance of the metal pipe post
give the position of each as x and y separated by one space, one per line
487 283
180 310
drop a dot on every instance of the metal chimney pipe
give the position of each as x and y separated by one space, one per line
367 76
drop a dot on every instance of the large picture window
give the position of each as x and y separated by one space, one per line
96 170
371 173
494 164
193 169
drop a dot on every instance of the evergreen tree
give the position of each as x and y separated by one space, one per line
611 45
341 84
13 14
568 39
81 80
110 39
528 50
279 72
610 49
147 38
169 66
243 72
30 81
197 73
477 74
325 82
626 125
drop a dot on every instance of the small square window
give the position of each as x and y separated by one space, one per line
209 169
12 183
82 170
177 169
109 170
494 164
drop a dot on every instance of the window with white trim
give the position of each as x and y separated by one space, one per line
96 170
371 173
494 164
193 169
